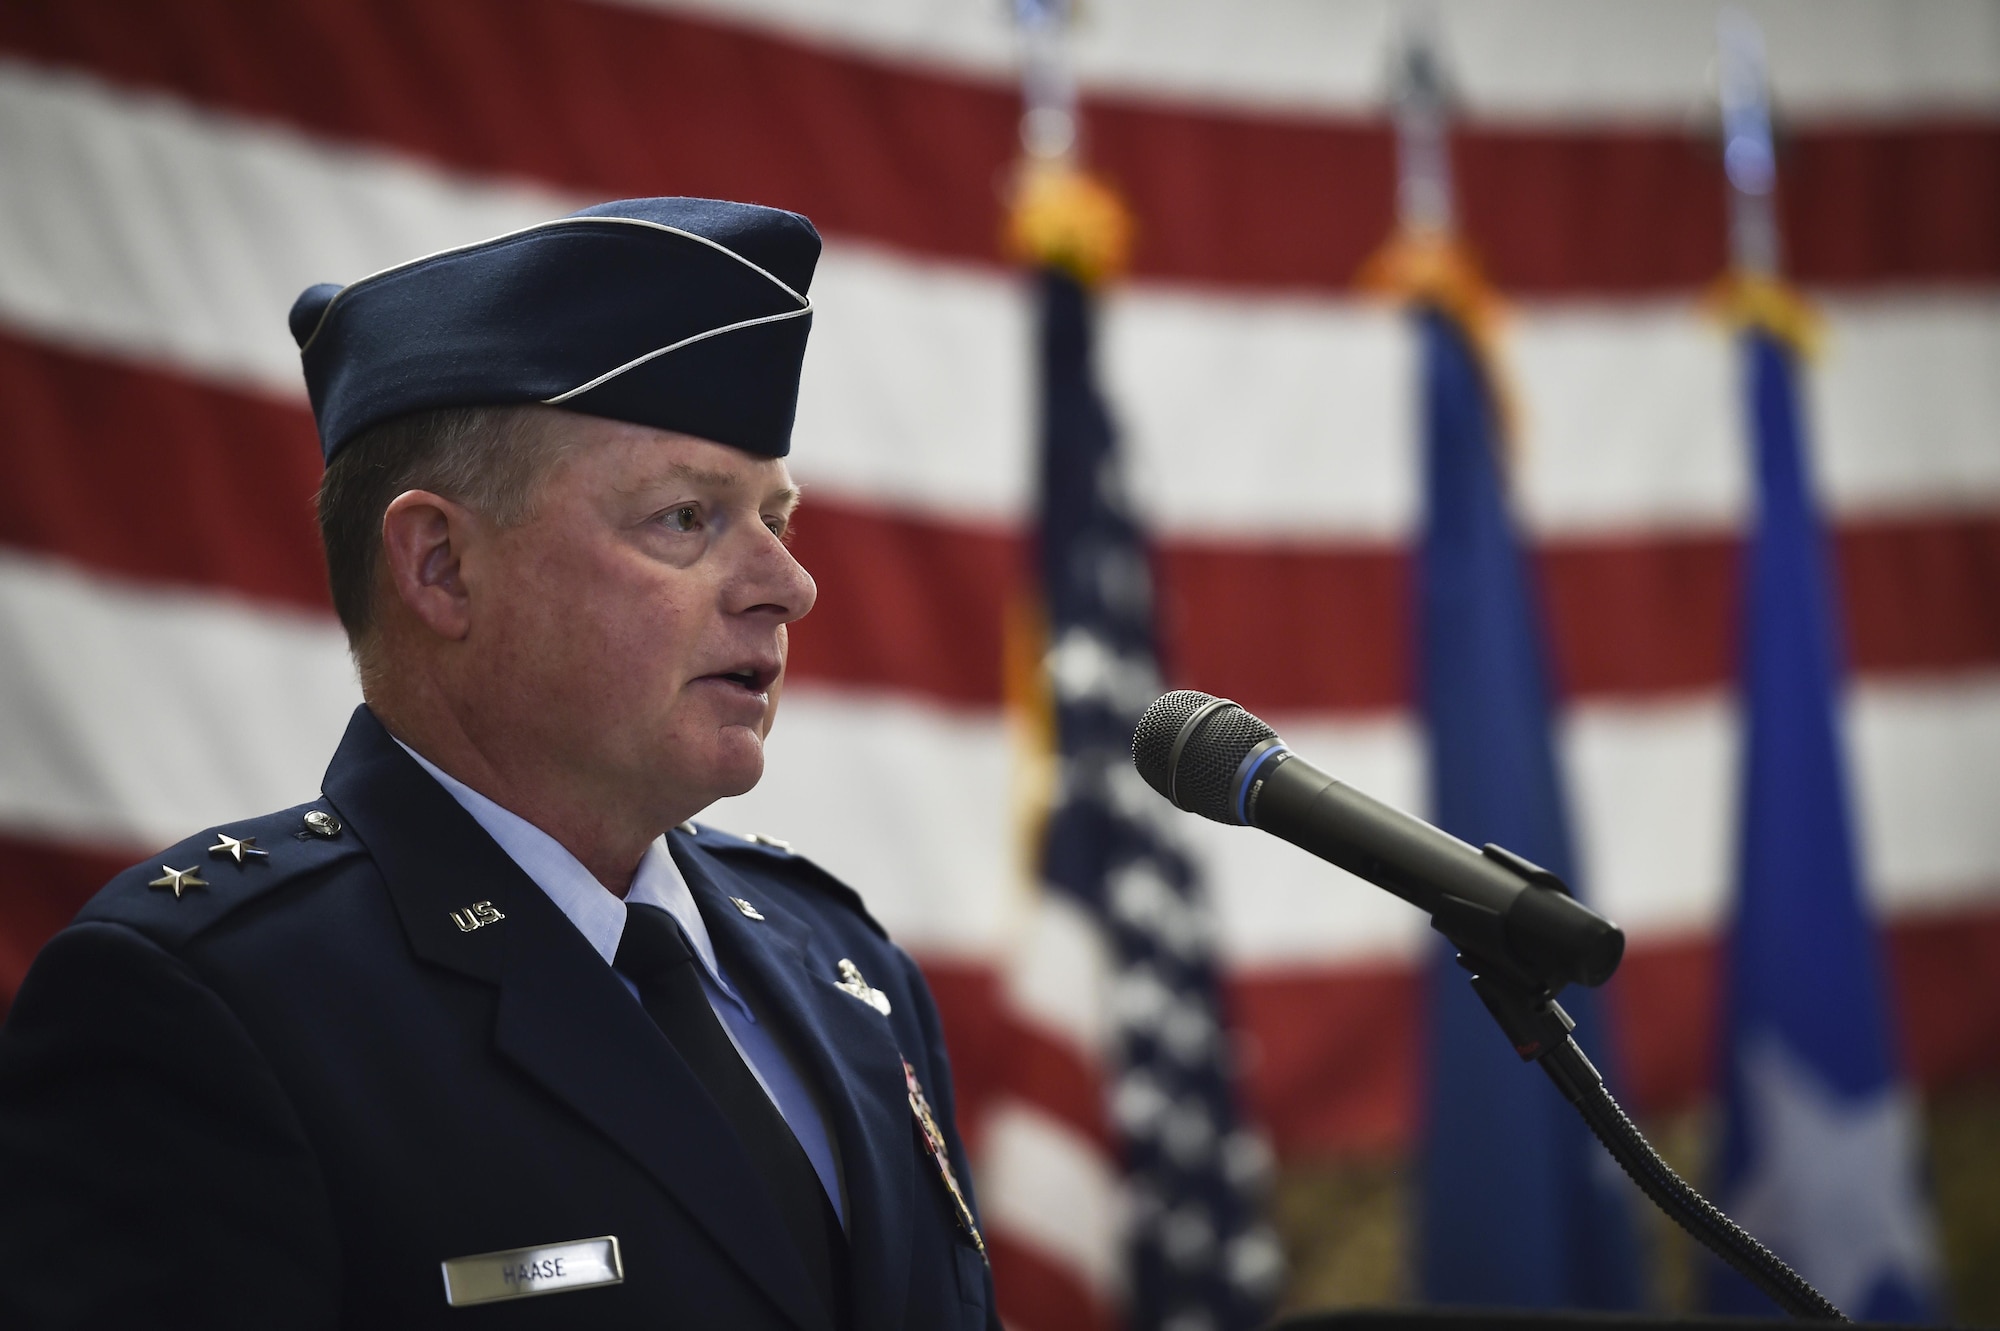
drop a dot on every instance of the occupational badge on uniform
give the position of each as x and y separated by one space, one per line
179 879
933 1140
520 1273
750 912
236 847
850 982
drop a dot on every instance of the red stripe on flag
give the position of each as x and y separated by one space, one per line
1944 973
995 1056
1333 1051
976 1031
1921 592
1662 1007
1330 1056
1303 627
1330 1053
906 603
1036 1294
1644 615
42 885
613 100
1055 1077
147 474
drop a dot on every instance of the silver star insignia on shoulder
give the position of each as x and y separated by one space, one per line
749 911
851 983
236 847
179 879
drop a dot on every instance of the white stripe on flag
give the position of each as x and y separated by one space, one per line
1925 763
139 227
137 224
1533 59
138 717
906 801
1058 973
1054 1191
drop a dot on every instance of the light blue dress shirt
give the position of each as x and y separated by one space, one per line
600 917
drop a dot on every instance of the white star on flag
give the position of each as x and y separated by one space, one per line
1833 1187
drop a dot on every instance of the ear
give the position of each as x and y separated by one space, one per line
424 539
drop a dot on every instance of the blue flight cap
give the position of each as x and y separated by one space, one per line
682 314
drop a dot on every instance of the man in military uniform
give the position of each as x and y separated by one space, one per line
490 1034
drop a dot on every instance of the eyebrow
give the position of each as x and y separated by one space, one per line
787 497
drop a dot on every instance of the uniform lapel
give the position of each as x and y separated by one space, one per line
855 1064
563 1016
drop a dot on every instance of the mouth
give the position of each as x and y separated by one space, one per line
753 678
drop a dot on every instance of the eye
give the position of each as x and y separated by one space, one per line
687 517
781 527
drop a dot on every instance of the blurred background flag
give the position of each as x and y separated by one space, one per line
1821 1150
1119 962
1518 1205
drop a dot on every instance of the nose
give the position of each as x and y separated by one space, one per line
775 582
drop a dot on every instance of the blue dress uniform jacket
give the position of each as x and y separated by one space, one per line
284 1098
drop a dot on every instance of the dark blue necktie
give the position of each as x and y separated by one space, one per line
655 955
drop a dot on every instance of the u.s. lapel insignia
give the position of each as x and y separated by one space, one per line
750 912
476 916
236 847
850 982
934 1147
179 879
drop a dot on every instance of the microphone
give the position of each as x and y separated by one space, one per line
1209 756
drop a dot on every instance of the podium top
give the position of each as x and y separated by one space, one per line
1521 1319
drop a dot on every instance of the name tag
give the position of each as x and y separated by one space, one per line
520 1273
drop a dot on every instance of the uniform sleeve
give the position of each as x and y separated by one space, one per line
152 1172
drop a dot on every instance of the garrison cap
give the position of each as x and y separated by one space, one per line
682 314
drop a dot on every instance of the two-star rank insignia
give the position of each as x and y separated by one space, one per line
236 847
934 1147
179 879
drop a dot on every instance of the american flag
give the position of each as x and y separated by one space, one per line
176 171
1200 1256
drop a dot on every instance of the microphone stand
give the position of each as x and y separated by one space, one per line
1524 1003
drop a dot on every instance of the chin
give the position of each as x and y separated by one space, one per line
736 764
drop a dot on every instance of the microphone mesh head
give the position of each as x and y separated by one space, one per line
1153 741
1209 757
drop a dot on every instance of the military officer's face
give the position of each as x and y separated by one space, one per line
634 628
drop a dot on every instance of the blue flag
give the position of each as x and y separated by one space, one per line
1820 1145
1199 1251
1520 1207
